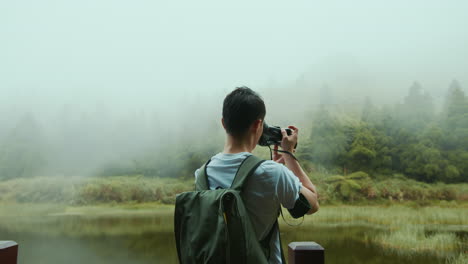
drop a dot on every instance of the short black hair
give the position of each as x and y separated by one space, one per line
240 109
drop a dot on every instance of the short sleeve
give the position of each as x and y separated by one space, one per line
288 185
197 171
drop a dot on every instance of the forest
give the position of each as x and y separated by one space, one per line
411 138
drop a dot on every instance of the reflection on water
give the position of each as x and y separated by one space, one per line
149 239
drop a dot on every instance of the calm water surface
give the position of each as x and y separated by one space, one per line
149 239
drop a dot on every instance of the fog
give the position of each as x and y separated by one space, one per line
92 82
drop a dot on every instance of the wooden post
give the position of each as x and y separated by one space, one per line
8 252
306 252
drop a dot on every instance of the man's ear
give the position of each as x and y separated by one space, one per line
222 122
256 124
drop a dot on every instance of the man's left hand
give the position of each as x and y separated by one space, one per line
277 157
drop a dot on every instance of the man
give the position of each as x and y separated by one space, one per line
276 182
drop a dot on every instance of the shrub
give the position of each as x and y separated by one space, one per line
332 189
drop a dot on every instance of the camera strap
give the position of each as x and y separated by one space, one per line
282 151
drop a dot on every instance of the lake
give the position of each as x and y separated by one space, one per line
148 238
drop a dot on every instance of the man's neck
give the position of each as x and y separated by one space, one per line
233 145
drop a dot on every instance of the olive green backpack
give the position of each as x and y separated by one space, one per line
213 226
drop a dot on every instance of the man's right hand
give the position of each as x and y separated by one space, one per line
289 142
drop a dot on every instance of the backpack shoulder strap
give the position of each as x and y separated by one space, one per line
247 168
202 179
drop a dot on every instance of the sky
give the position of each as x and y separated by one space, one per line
166 54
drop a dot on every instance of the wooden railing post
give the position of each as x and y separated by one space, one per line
306 252
8 252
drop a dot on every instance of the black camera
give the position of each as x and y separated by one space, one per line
272 135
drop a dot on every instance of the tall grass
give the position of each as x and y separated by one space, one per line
130 189
138 189
393 188
462 258
392 217
84 191
412 239
39 189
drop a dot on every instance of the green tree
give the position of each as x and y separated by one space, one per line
453 141
455 118
424 162
382 163
363 150
458 172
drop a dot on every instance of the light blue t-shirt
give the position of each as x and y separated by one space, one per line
271 184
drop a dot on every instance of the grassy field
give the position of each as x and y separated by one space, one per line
138 189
